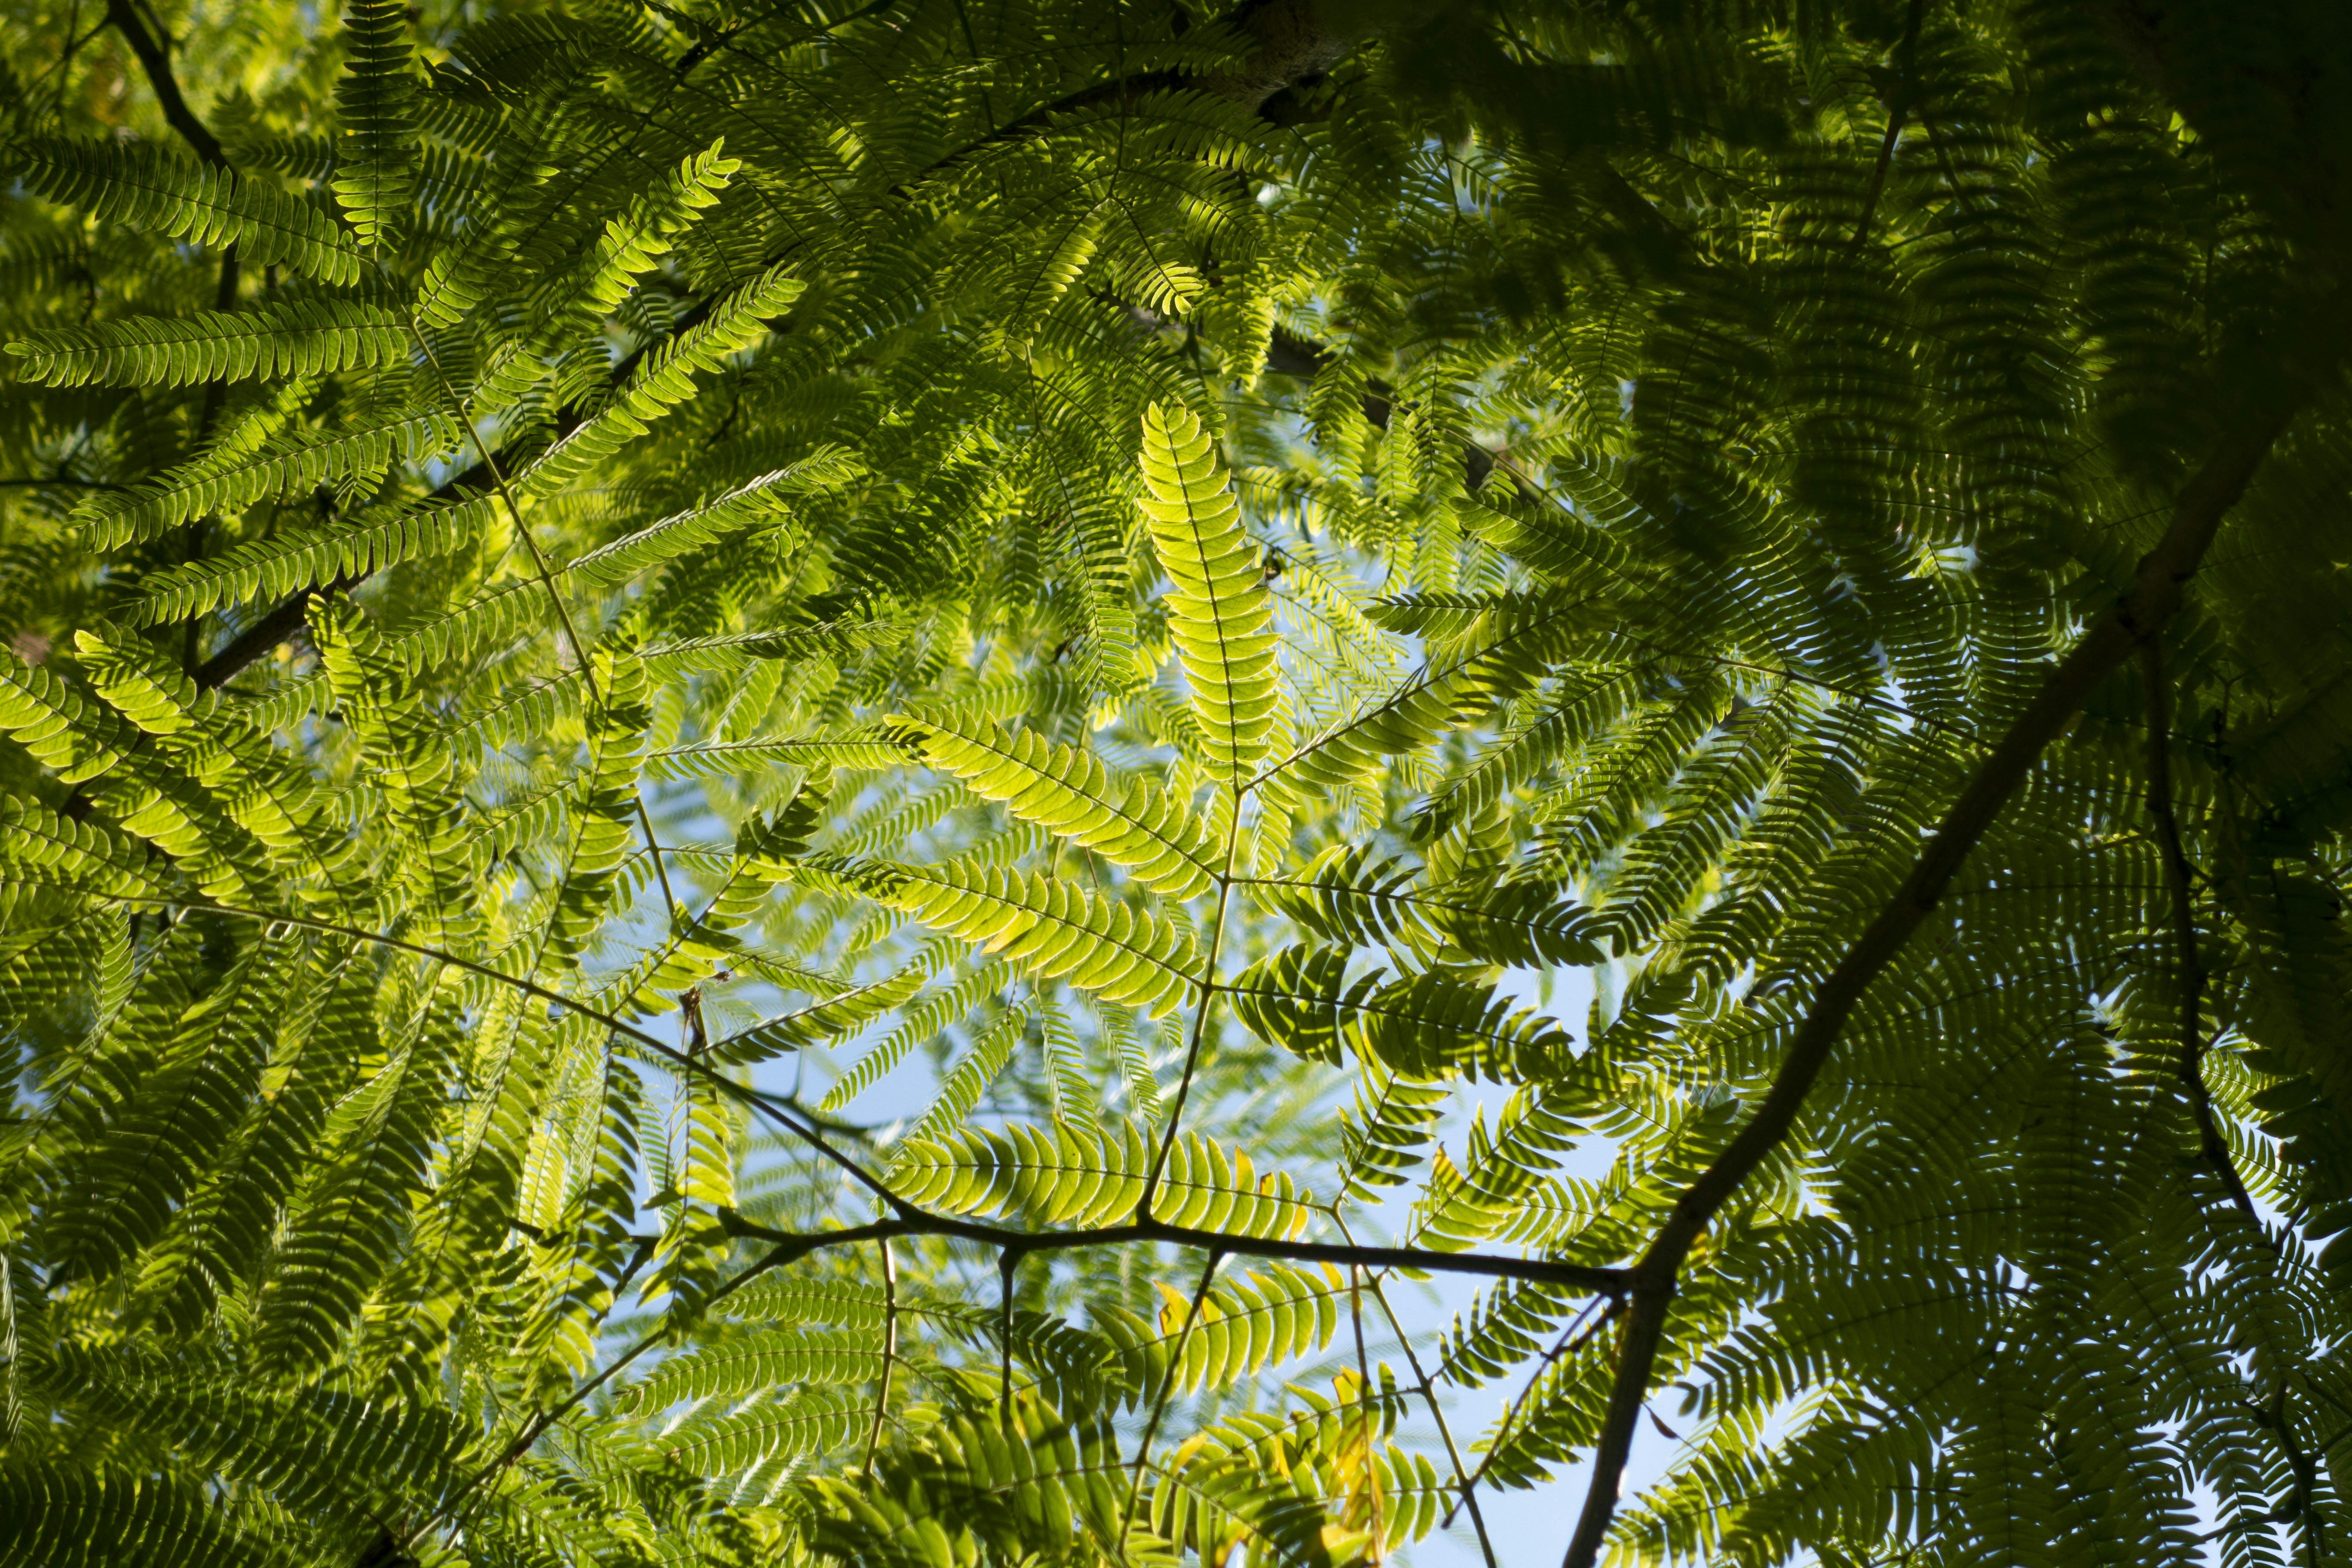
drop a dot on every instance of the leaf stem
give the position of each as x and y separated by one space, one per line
1159 1404
1428 1389
1209 988
1364 1406
1008 1263
1898 108
555 598
768 1105
889 1350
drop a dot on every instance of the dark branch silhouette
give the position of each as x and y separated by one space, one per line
2154 597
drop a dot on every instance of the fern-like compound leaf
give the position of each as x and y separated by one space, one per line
375 156
1072 795
1221 613
308 337
1052 929
758 1364
154 188
1077 1178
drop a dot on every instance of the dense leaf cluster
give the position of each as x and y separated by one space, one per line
804 783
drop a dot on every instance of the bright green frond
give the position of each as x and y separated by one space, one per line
1220 611
375 155
1069 1176
1052 929
309 337
151 188
1071 795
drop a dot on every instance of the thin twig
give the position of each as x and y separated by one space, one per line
1428 1390
2301 1465
1159 1404
1200 1010
716 40
771 1106
1898 108
1573 1338
555 597
1364 1404
889 1351
153 58
1008 1262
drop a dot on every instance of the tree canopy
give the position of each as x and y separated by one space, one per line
808 783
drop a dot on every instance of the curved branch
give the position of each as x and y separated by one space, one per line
2154 597
2191 1067
158 66
913 1221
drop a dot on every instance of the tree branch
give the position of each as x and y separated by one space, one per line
267 633
912 1221
2154 597
158 66
1898 109
2210 1142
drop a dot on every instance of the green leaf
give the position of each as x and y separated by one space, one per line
306 337
63 730
242 470
1076 1176
74 1516
1440 1023
154 188
1072 795
756 1363
799 1421
1048 927
1220 611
